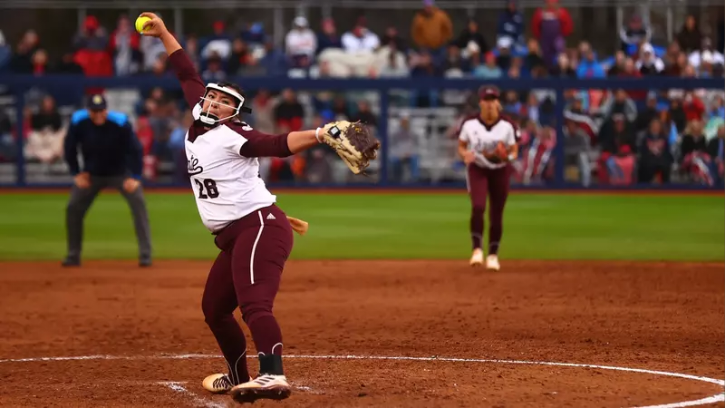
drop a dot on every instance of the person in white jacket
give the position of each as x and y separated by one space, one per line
301 43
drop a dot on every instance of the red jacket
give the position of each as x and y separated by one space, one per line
567 25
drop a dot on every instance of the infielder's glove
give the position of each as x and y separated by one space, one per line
352 141
498 155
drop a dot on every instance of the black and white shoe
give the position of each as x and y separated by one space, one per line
266 386
217 383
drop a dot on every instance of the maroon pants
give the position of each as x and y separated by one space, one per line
246 274
493 184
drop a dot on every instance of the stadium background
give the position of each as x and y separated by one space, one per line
605 259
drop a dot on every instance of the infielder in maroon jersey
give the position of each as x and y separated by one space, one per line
487 143
253 234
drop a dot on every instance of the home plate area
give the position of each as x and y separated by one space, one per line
376 333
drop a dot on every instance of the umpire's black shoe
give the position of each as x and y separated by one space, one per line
71 262
144 263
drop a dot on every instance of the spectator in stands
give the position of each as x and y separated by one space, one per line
648 63
421 65
328 37
648 114
616 163
219 43
340 108
511 25
263 112
690 37
655 157
404 151
300 43
534 57
91 49
589 67
214 71
239 58
391 62
706 54
393 37
360 39
432 29
675 61
21 62
40 62
635 33
619 103
68 65
716 151
45 141
695 160
5 53
92 37
254 35
693 107
504 51
490 70
289 112
471 40
551 25
365 115
7 141
577 147
617 66
563 68
124 45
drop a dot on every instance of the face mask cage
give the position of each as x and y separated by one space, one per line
209 118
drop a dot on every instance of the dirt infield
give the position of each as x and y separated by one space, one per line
148 345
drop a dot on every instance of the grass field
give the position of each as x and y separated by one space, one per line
422 226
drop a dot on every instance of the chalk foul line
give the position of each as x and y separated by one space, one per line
178 387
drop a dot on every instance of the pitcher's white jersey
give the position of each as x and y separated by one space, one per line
481 137
226 184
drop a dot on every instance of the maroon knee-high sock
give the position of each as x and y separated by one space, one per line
477 227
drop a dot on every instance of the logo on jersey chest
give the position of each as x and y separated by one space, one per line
193 166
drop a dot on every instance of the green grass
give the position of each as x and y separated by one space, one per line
429 226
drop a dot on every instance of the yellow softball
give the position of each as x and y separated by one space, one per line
140 21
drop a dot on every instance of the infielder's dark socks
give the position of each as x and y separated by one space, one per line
476 226
493 248
495 230
270 364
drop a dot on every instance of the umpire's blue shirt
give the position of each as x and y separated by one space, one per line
111 149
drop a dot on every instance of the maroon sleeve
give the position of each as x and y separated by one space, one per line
191 83
261 144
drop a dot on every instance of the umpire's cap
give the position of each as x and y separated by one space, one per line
488 92
97 103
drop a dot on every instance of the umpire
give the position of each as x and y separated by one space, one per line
112 157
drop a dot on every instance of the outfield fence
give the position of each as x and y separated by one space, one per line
429 110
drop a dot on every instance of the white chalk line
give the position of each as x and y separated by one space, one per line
198 401
708 400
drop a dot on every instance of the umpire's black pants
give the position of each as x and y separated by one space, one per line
82 198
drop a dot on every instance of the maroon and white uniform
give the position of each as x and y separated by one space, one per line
253 234
485 179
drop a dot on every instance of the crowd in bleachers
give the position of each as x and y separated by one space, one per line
610 136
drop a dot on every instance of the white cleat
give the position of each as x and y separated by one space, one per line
477 257
492 263
217 383
267 386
